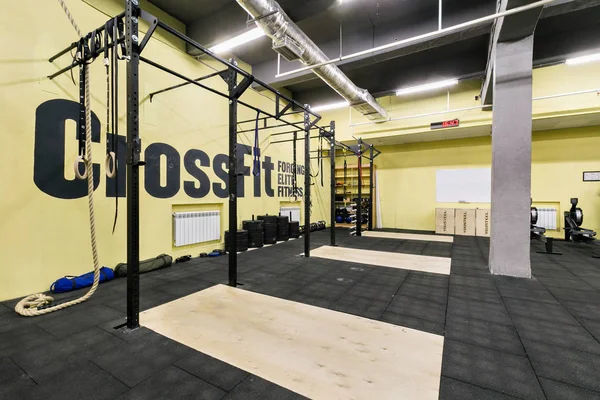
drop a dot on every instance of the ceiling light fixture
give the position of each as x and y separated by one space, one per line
331 106
583 60
427 87
245 37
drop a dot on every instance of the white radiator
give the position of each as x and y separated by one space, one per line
547 218
196 227
285 212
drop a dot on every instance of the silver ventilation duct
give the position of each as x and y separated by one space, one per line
293 44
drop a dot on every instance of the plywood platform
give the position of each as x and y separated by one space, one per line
319 353
408 236
438 265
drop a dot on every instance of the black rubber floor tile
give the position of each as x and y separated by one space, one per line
502 372
584 310
419 308
255 277
474 309
372 291
536 310
12 374
484 293
564 365
62 325
517 283
431 293
571 336
184 287
281 290
472 281
382 277
592 326
173 383
87 381
485 334
134 362
361 306
562 391
311 300
541 295
23 337
428 279
413 323
581 296
213 371
328 291
588 273
4 309
478 272
148 299
574 283
44 362
254 387
451 389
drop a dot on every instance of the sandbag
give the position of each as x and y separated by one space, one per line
69 283
151 264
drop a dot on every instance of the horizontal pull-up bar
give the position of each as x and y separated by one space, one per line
263 128
186 83
240 71
291 140
193 82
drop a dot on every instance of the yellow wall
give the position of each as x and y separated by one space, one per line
407 175
45 237
548 81
407 171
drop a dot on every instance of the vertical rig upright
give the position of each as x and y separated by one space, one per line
370 226
232 243
132 12
359 199
332 173
307 184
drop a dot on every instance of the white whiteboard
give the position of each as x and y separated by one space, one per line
471 185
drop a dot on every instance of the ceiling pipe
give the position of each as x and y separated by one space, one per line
293 44
429 114
420 38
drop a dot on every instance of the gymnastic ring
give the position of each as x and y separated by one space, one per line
111 161
78 161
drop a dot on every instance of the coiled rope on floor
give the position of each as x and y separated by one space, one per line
29 305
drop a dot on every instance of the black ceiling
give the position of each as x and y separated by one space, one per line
368 23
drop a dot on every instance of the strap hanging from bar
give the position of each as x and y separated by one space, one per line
81 53
321 156
345 173
295 182
111 162
115 111
256 148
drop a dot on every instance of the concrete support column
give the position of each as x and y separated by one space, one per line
511 159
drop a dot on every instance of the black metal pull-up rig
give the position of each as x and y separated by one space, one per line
284 107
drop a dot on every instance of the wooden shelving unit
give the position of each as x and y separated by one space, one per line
349 189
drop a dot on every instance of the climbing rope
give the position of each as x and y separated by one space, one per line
30 305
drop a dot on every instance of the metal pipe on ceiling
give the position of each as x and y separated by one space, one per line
291 42
417 39
552 96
